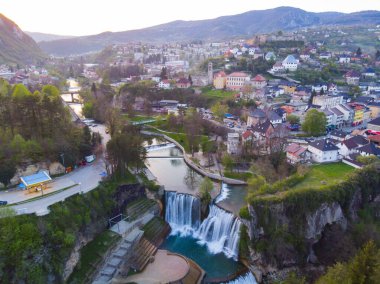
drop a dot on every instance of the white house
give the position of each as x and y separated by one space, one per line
323 151
164 84
233 143
344 59
290 63
327 101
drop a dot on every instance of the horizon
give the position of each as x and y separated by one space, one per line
69 19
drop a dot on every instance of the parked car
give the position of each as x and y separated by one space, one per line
2 203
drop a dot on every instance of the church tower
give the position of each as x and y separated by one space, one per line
210 73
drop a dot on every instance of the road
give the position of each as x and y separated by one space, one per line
86 179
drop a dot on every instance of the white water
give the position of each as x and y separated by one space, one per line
220 231
224 193
159 147
183 213
244 279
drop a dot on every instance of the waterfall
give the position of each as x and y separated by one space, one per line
182 213
220 232
244 279
224 193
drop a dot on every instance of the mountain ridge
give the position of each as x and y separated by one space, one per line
221 28
16 47
38 37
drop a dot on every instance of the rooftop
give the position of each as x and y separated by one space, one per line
35 179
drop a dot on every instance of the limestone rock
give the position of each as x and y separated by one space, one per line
326 214
56 168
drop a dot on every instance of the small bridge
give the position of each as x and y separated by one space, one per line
165 157
159 146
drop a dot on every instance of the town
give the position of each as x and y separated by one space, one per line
256 152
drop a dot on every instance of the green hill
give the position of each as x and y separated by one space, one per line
15 46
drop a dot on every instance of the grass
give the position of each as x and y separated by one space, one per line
91 255
219 94
325 174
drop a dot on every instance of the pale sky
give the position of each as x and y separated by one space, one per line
85 17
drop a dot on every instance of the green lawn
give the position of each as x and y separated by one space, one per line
91 255
325 174
219 94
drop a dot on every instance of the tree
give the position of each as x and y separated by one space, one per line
7 171
359 52
164 73
315 123
367 160
363 268
377 55
227 162
193 129
190 80
292 119
112 118
205 188
219 110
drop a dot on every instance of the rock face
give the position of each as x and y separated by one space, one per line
28 170
124 195
285 229
326 214
56 168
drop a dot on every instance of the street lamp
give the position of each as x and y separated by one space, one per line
63 158
80 187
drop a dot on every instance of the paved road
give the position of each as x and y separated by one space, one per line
86 178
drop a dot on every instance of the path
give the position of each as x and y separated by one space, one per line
194 166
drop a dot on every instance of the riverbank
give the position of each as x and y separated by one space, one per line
194 166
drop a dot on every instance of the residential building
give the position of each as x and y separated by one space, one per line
358 114
257 116
183 83
290 63
369 150
259 81
374 124
338 135
233 143
270 56
338 117
348 113
344 59
327 101
323 151
262 132
235 81
349 146
220 80
375 109
277 68
164 84
352 78
296 154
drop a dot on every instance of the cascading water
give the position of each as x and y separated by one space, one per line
220 232
224 193
244 279
182 213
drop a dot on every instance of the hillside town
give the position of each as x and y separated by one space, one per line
205 161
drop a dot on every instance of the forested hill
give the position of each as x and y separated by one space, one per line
241 25
15 46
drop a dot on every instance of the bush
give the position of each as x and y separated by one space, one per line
244 213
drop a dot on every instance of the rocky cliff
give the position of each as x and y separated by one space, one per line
286 230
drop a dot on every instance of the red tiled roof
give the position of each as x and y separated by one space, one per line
259 78
238 74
